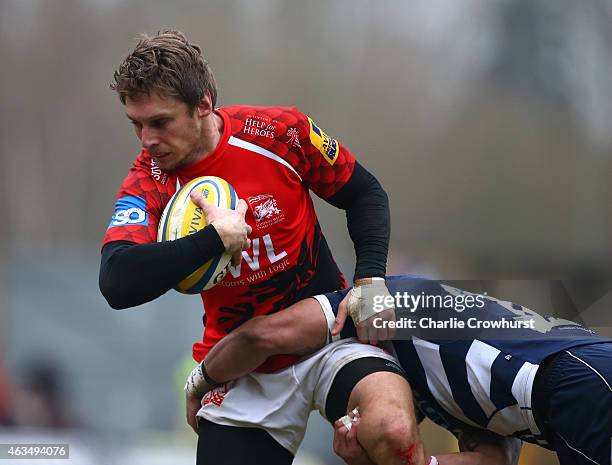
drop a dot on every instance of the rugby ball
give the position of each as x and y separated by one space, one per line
182 217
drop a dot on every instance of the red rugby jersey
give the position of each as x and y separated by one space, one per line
272 156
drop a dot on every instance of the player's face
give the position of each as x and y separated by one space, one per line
167 129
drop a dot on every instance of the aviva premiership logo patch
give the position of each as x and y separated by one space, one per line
325 144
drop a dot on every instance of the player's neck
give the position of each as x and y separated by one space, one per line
212 130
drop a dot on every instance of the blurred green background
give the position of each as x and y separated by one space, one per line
487 122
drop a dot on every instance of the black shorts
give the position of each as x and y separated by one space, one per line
572 402
231 445
347 378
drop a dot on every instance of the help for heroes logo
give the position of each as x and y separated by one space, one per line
260 125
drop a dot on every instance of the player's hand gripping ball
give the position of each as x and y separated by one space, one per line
183 217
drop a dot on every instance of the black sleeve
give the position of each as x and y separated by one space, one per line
132 274
368 219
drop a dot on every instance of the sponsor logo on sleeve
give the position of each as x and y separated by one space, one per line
130 210
326 145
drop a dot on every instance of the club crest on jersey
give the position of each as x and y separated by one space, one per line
215 396
326 145
265 210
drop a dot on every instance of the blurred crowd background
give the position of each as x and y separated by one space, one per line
487 122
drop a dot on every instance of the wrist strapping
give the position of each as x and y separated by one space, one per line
199 381
362 297
207 378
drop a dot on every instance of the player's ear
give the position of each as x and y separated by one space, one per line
204 108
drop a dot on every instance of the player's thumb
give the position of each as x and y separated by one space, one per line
196 197
340 317
208 208
242 207
237 258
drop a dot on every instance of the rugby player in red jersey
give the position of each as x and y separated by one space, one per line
273 157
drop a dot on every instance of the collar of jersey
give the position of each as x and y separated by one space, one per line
197 168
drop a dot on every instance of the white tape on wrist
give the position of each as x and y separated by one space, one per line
433 461
195 382
361 302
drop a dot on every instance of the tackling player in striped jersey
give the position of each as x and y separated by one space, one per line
539 379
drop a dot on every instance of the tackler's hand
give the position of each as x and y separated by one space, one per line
340 317
346 445
195 388
371 307
192 406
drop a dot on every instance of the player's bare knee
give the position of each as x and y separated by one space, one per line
384 392
392 439
388 426
395 432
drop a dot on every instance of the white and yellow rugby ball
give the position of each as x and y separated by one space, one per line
182 217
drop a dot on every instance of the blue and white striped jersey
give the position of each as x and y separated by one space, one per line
463 377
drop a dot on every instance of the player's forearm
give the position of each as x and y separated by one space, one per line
369 228
368 221
236 354
300 329
132 274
